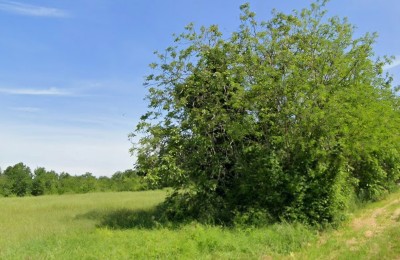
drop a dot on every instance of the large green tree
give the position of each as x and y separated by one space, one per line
288 118
19 178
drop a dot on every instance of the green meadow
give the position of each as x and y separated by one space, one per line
109 226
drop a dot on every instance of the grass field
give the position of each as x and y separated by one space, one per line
102 226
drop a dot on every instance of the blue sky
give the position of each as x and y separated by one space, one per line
71 72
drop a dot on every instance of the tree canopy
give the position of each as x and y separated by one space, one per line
291 118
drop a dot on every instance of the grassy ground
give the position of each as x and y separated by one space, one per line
99 226
372 233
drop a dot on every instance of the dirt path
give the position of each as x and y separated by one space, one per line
377 220
372 233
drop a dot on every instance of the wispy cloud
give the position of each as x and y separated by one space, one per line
31 10
395 63
35 92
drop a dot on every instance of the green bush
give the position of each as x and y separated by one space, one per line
289 119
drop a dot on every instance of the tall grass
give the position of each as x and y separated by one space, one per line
23 220
120 226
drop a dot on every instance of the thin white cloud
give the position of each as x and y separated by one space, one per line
31 10
35 92
395 63
26 109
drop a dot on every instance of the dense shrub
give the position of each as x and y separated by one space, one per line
292 118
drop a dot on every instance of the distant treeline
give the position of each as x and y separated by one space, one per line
19 180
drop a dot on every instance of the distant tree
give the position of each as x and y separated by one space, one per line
291 117
19 177
128 180
5 186
105 183
117 175
66 183
18 180
37 182
44 182
87 182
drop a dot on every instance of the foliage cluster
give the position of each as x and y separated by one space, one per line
291 118
18 180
